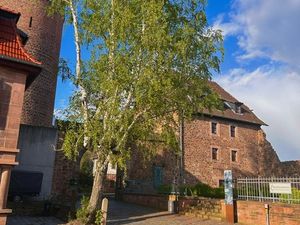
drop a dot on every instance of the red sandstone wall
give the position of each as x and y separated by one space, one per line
254 213
140 170
12 86
198 142
256 157
205 208
109 183
64 170
44 44
290 168
153 201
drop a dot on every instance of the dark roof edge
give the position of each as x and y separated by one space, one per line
231 119
32 68
4 57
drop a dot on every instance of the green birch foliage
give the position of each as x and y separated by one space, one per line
149 63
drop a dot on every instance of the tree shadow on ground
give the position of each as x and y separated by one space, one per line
125 213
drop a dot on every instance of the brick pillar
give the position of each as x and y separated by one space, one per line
12 87
4 184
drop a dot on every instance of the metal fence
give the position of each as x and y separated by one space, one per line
285 190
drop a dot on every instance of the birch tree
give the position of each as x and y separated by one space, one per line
149 60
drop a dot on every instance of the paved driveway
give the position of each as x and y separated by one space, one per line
123 213
28 220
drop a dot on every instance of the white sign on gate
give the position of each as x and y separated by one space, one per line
280 188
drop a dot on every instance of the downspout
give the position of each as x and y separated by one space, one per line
181 147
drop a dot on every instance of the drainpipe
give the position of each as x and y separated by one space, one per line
181 147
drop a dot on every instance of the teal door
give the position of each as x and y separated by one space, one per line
158 176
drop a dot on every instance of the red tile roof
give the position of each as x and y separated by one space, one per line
246 116
10 43
9 10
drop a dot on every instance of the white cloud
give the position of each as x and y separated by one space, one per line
265 28
228 28
273 93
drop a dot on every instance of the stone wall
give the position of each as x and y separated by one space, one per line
44 34
12 87
204 208
255 156
154 201
37 154
64 170
139 177
250 212
269 163
290 168
198 144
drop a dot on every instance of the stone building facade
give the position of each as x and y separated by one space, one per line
214 141
42 35
17 71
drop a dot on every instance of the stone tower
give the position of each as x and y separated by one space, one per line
44 40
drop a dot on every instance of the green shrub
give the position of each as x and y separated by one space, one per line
82 212
295 196
99 217
198 190
218 193
164 189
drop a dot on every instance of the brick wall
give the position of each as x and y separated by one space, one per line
254 213
44 44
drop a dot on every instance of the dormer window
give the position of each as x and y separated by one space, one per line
235 107
238 107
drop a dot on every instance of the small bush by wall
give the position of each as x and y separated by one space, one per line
198 190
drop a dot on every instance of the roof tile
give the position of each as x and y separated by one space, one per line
10 43
246 116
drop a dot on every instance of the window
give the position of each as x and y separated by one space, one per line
232 131
233 155
30 22
213 127
214 154
157 176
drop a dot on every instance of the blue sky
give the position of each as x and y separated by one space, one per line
261 66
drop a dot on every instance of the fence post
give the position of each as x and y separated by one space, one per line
247 189
259 192
104 208
228 188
